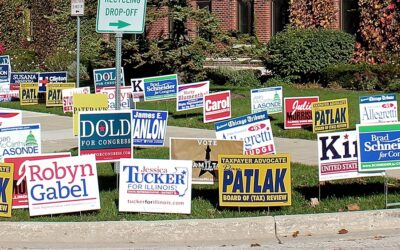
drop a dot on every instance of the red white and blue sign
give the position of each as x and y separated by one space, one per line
254 129
190 96
378 109
105 134
62 185
149 127
51 77
217 106
21 77
107 78
378 146
10 118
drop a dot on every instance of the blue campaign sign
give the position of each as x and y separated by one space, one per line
149 127
106 78
378 146
241 121
4 73
107 135
4 60
160 87
51 77
22 77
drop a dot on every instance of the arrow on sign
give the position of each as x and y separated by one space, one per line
120 24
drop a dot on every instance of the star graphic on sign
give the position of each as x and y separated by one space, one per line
183 172
346 136
102 128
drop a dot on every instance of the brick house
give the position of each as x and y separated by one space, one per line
262 18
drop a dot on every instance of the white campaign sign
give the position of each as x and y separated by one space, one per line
337 156
68 95
20 140
125 97
77 7
120 16
62 185
156 186
10 118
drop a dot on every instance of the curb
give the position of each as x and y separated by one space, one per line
331 223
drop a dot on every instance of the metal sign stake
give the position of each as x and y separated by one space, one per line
78 49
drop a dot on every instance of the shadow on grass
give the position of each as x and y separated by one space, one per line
107 183
343 190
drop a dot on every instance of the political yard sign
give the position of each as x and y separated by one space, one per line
7 95
5 69
330 115
160 87
6 188
378 109
106 134
155 186
337 156
20 140
137 86
267 99
87 102
378 146
204 155
54 93
20 193
67 95
62 185
125 97
190 96
106 78
217 106
20 77
51 77
254 181
10 118
149 127
297 111
254 129
28 93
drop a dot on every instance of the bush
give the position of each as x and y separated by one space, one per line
394 85
59 61
303 53
362 76
228 76
23 60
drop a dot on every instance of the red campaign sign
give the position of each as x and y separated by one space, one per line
217 106
20 192
298 111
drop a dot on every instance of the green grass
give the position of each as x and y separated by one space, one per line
240 106
367 193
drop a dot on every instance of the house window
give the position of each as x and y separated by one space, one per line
280 15
28 26
204 4
350 16
245 16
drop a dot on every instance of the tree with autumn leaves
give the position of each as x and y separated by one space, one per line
378 38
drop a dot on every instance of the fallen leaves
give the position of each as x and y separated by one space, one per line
353 207
343 231
295 234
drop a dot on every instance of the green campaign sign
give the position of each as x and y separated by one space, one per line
125 16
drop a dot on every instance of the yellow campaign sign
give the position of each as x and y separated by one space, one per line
28 93
330 115
87 102
254 180
6 188
54 93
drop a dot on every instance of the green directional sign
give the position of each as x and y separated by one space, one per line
120 16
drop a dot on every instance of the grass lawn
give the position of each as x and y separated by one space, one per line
367 193
240 106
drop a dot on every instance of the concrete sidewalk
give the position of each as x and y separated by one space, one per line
271 231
